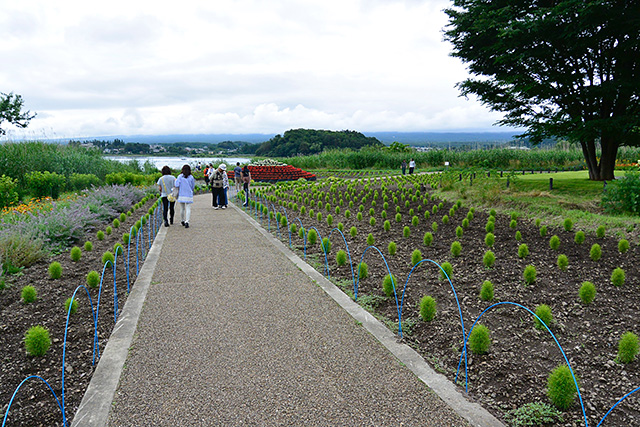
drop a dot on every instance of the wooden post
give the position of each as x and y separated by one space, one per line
550 183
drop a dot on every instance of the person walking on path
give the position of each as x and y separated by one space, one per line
166 184
224 201
206 174
237 177
217 186
412 166
185 183
404 167
246 180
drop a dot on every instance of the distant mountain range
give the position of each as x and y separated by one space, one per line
411 138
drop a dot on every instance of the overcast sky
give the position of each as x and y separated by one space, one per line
233 66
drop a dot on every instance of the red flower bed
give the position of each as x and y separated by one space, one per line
277 173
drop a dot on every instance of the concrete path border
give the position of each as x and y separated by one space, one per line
96 403
471 411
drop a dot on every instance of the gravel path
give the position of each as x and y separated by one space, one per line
233 333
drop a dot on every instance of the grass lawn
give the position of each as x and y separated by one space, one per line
573 196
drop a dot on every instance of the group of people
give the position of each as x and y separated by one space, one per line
412 166
181 189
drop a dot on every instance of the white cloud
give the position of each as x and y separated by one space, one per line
234 66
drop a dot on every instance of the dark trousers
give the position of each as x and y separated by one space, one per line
245 186
168 207
410 171
218 194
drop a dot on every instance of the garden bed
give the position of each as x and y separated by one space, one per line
515 370
34 404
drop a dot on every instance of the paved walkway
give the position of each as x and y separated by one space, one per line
232 332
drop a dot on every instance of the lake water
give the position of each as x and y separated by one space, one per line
178 162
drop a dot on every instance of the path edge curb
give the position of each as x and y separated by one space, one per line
96 404
474 413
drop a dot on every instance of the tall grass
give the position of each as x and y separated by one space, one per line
497 158
17 159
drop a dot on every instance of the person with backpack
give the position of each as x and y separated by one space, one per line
237 177
217 185
246 180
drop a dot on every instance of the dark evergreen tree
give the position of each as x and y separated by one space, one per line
559 68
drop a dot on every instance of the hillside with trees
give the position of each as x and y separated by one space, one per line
308 141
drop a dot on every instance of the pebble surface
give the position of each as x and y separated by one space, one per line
233 333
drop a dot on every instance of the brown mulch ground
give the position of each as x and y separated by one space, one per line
515 370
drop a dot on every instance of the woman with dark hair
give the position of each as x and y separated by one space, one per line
165 183
185 184
246 180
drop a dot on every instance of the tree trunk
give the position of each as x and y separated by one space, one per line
608 160
589 153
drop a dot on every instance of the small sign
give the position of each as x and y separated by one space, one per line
446 163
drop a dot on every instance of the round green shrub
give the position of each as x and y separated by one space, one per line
587 292
123 217
459 231
88 246
529 274
341 258
347 214
370 240
568 224
580 237
445 219
383 214
538 222
37 341
108 257
55 270
561 389
618 277
74 306
319 216
596 252
543 312
392 248
627 347
469 216
108 231
434 227
353 232
465 223
489 239
456 248
623 246
427 239
448 269
126 238
406 231
486 292
514 216
493 213
489 259
416 256
75 253
312 237
372 221
293 228
513 224
518 236
326 245
363 270
563 262
93 279
554 242
386 226
29 294
415 221
523 251
116 223
543 231
118 249
428 308
600 231
389 283
301 233
427 215
490 227
479 340
398 217
329 220
341 226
